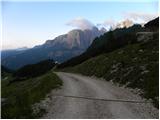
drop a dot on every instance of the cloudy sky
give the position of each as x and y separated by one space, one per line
32 23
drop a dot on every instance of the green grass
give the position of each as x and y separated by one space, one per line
21 95
135 65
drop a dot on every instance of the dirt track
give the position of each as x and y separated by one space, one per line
82 86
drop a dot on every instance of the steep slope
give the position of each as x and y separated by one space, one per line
20 97
22 89
34 70
153 24
60 49
106 43
5 72
134 65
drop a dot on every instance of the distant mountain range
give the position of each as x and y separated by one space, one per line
9 52
59 49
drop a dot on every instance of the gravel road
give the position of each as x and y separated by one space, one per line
82 86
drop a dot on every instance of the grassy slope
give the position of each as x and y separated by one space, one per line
135 66
21 95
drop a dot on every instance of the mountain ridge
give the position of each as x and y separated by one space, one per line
60 48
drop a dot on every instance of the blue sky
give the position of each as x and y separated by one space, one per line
32 23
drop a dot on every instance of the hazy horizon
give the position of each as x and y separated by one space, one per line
26 24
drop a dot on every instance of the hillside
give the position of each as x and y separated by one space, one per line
6 73
10 52
59 49
34 70
23 88
153 24
19 97
106 43
111 41
133 64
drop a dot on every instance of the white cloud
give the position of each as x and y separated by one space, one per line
81 23
112 24
124 23
139 16
128 20
109 22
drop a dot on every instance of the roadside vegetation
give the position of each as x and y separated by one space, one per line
19 96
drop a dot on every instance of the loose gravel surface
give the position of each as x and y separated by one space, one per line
61 107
